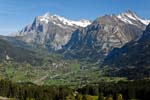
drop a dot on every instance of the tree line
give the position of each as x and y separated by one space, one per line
123 90
29 91
127 90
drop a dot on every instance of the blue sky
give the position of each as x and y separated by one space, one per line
15 14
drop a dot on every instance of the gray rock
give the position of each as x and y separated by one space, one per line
96 40
50 31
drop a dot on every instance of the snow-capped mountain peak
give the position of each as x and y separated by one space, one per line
60 21
132 18
51 31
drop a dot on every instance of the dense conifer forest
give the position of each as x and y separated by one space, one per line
128 90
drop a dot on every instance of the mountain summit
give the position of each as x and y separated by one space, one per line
131 17
50 31
54 32
60 21
95 41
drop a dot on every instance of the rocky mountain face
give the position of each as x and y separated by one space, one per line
134 53
105 33
83 39
132 60
132 18
50 31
